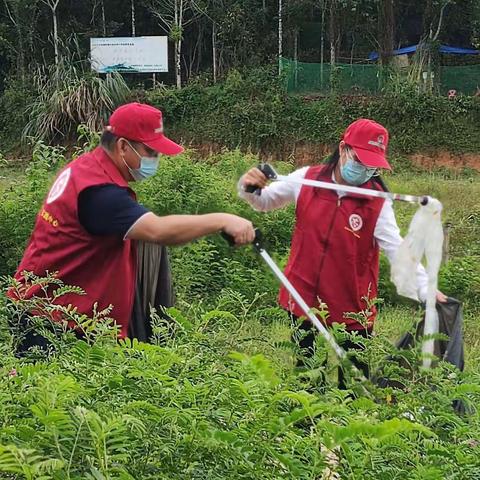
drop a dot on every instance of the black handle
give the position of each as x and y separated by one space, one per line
252 189
229 239
257 241
268 171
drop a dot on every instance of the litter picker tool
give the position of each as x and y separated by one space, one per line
258 246
271 174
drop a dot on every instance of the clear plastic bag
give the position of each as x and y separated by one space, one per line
424 239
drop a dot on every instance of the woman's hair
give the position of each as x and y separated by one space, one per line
332 160
380 182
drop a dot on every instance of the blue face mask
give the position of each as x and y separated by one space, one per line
354 173
148 167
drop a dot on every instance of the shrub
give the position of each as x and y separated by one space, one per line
13 103
21 203
252 110
219 399
460 277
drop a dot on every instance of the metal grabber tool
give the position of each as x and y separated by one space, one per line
258 246
271 174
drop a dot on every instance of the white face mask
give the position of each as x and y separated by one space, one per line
148 166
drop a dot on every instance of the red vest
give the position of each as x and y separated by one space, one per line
103 266
334 254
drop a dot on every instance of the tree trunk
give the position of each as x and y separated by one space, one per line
199 48
55 35
295 58
440 19
31 44
280 35
53 4
214 51
178 42
104 25
195 55
386 31
133 18
333 34
427 43
322 43
178 65
15 19
21 55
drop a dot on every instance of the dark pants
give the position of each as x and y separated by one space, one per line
153 289
29 338
28 335
304 337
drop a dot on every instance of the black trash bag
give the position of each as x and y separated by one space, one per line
450 323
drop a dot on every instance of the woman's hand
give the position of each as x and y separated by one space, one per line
254 177
441 297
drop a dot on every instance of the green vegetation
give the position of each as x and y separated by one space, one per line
216 395
184 184
254 111
188 406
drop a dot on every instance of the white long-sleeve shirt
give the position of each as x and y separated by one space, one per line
387 234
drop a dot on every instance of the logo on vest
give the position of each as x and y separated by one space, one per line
59 186
356 222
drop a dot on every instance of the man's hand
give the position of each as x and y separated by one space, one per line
239 228
255 178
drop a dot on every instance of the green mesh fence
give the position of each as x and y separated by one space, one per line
464 79
314 77
354 78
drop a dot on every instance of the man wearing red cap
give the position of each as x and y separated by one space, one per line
334 256
90 218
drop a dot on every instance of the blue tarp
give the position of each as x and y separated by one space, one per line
443 49
458 50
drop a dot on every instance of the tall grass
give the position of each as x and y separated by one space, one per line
68 95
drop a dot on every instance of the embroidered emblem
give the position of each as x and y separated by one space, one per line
160 128
380 143
356 222
59 186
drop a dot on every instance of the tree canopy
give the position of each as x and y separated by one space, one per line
207 35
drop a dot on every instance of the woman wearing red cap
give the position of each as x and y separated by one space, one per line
334 258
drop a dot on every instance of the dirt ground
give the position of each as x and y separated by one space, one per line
310 153
447 159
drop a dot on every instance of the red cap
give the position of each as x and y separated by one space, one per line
369 140
144 124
